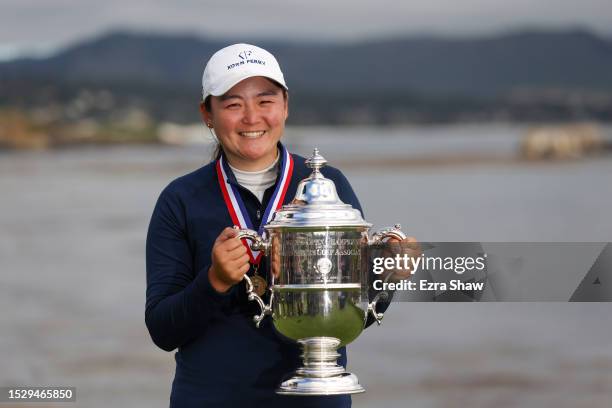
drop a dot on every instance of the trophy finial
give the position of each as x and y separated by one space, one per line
316 161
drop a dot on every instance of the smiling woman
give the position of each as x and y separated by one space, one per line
249 121
196 296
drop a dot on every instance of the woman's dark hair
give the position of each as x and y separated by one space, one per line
218 148
207 103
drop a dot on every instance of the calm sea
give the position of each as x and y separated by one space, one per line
72 230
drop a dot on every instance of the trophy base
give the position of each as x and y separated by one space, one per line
320 375
345 383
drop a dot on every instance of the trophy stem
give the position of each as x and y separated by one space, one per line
321 374
320 357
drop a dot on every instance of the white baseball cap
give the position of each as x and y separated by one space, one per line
232 64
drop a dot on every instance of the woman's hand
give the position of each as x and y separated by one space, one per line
275 258
230 261
408 246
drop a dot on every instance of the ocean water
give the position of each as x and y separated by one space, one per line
72 279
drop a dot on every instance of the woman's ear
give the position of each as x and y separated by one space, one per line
206 115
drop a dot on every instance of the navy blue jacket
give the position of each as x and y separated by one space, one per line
223 359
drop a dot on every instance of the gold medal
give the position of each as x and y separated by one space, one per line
259 285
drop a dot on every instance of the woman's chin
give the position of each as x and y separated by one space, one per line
260 151
261 159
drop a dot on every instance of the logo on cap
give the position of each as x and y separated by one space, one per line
245 54
245 59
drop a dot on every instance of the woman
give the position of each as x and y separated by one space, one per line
196 298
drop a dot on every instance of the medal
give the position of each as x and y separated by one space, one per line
239 215
259 283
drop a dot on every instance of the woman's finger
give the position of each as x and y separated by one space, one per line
232 244
241 259
411 243
226 234
236 252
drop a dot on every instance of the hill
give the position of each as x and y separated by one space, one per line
522 75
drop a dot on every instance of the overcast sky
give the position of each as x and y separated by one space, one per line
27 25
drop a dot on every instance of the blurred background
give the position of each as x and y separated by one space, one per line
463 121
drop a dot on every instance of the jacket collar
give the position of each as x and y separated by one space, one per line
231 177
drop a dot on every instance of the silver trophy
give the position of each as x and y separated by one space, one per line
317 249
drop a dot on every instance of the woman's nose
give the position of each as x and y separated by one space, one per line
250 116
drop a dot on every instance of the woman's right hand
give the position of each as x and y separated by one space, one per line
230 261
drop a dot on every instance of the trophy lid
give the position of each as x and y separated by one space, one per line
316 203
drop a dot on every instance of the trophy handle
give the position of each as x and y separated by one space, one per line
257 244
389 232
372 306
265 309
377 238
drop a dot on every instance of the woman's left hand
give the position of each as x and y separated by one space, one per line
408 246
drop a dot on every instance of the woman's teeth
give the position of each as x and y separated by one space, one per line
253 134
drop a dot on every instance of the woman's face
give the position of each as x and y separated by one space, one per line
249 120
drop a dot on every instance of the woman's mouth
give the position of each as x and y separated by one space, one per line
252 135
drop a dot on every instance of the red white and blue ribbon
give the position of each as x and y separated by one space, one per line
235 205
